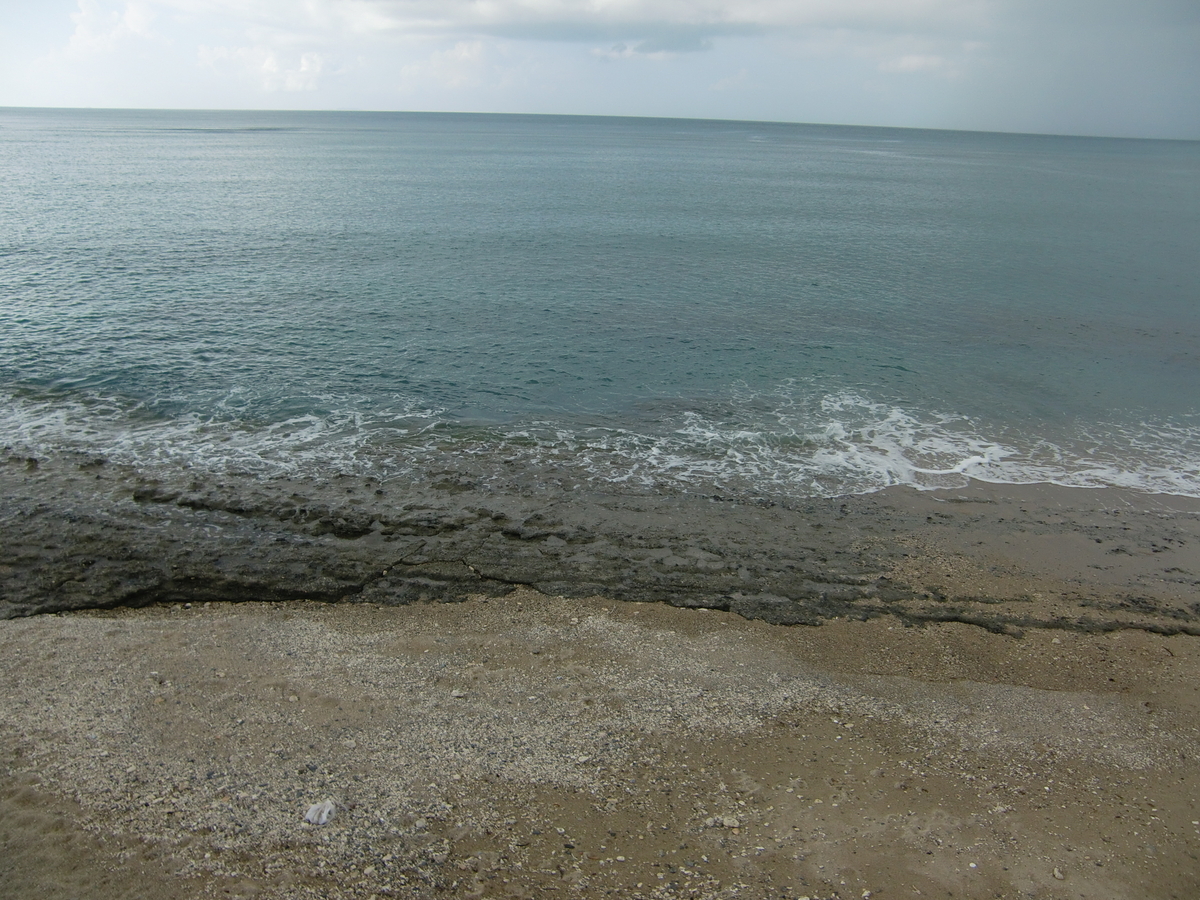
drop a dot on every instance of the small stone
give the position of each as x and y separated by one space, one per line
457 694
729 822
1058 874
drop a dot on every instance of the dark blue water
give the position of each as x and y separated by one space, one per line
652 304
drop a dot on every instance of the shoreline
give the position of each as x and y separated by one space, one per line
1001 698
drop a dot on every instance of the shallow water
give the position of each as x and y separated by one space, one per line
646 304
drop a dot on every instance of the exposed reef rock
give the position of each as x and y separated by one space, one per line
84 533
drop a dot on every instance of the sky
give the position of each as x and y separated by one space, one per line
1123 68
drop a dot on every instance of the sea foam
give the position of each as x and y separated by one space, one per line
840 444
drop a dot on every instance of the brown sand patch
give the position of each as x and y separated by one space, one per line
542 747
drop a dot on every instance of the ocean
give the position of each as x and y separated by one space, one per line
545 303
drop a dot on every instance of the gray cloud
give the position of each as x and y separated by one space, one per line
685 23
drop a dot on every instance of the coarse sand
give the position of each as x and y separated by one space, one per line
537 746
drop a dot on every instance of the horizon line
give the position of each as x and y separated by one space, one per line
771 122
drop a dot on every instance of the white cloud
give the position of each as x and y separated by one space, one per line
465 65
272 69
101 29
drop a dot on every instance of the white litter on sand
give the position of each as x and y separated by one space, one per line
320 813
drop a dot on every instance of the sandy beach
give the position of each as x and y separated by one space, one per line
988 692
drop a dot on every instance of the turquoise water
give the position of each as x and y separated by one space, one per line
638 304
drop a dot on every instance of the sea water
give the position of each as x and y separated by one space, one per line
625 304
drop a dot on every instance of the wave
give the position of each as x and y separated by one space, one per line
845 443
788 445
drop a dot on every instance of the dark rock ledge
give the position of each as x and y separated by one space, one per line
84 534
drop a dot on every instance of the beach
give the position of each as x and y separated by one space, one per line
473 506
972 693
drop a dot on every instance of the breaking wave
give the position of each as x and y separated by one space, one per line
782 445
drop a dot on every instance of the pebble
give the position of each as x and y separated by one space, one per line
721 822
1058 874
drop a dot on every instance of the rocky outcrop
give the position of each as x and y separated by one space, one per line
83 534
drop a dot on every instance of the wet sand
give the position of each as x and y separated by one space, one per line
1001 699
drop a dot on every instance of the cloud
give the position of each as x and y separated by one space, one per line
286 44
663 47
102 30
269 67
1076 66
663 25
914 62
465 65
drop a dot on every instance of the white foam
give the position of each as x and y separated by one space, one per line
791 446
346 441
849 444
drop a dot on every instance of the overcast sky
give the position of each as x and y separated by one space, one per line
1109 67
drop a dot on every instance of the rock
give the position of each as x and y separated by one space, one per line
1058 874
